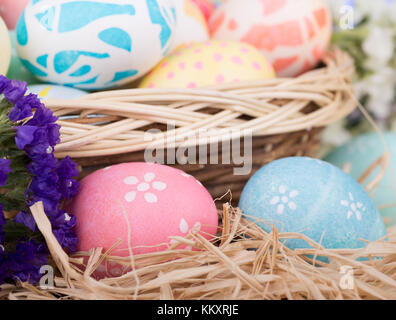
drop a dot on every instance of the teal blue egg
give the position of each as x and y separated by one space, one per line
17 70
315 198
358 154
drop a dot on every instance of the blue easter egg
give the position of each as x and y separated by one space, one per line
358 154
94 44
315 198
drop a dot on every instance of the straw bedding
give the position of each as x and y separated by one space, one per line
243 262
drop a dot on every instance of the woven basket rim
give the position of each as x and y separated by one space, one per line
261 108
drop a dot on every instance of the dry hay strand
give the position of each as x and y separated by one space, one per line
243 262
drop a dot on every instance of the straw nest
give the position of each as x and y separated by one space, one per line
243 262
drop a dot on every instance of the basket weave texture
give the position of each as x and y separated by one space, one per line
284 116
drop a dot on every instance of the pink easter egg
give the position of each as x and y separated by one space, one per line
11 10
293 35
143 205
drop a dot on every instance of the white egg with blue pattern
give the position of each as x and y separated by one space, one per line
315 198
191 25
94 44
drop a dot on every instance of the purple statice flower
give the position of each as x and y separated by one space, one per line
4 83
5 169
15 90
47 164
2 223
23 107
24 136
3 262
45 186
42 116
51 206
51 182
63 226
25 262
3 266
66 170
26 219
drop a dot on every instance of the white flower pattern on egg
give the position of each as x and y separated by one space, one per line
186 175
184 228
354 208
284 199
144 187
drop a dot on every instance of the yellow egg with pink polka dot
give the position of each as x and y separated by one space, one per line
209 63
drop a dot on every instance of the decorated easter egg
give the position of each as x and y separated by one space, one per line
94 44
10 11
209 63
143 205
315 198
17 70
5 48
358 154
49 91
206 7
191 25
294 35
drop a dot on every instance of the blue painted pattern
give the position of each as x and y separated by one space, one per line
33 69
157 18
22 34
116 37
85 69
43 60
88 64
123 74
46 18
76 15
65 59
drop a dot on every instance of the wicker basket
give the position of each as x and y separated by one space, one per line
243 262
283 115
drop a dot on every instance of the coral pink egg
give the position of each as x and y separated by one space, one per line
10 11
293 35
142 205
206 7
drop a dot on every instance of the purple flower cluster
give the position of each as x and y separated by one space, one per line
25 262
5 169
3 262
3 265
52 180
2 223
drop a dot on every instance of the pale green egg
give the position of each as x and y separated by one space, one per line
358 154
17 70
